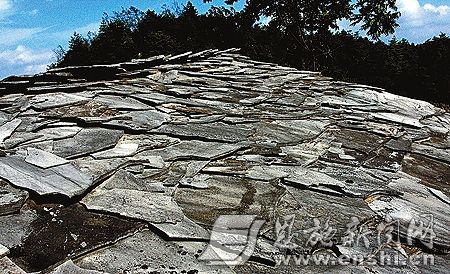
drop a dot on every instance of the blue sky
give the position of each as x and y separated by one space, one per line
31 29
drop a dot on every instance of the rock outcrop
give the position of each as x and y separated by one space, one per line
125 168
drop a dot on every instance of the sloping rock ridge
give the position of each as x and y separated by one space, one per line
131 168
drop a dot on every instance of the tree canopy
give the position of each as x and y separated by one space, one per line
307 17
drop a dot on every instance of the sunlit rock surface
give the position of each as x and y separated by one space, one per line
125 168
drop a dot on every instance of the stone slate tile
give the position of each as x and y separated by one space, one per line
139 120
66 179
11 199
211 131
43 159
9 267
87 141
7 129
70 268
147 252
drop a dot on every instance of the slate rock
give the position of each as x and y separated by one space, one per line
11 199
65 179
87 141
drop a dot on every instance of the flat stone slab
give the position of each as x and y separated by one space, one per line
146 251
43 159
87 141
120 150
65 179
8 267
70 268
142 205
11 199
7 129
197 150
3 251
183 230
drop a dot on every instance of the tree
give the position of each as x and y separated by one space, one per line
308 24
377 17
77 54
114 42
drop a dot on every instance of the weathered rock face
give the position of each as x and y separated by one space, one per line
126 168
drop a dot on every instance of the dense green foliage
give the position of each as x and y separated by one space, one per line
418 71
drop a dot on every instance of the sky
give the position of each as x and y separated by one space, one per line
30 30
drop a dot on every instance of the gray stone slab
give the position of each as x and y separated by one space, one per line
122 149
416 205
142 205
429 151
121 103
210 131
15 227
45 101
66 179
197 150
70 268
3 251
183 230
146 251
11 199
43 159
140 120
87 141
9 267
7 129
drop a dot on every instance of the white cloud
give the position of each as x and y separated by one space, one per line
442 9
23 55
23 60
409 7
33 12
5 5
65 35
421 20
413 8
10 36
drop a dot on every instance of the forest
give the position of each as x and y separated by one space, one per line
300 34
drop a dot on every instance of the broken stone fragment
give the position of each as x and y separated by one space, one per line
9 267
125 180
88 140
141 205
70 268
65 179
7 129
146 251
197 150
46 101
120 102
184 230
3 251
210 131
11 199
120 150
145 120
43 159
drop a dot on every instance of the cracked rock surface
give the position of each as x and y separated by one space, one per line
125 168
